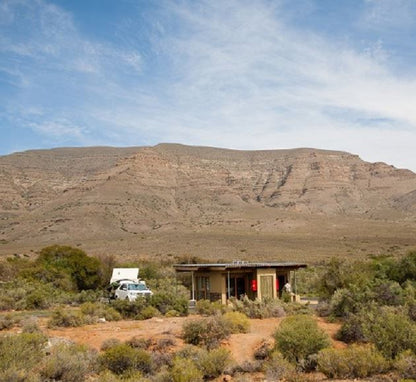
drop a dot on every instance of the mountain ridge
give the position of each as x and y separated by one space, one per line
146 200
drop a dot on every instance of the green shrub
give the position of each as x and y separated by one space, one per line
82 269
66 318
299 337
84 296
18 375
405 364
259 308
68 363
185 370
139 342
166 300
7 321
30 325
21 351
391 331
149 312
356 361
172 313
109 343
213 363
207 331
38 299
237 322
130 310
277 367
352 328
28 294
208 308
97 310
122 359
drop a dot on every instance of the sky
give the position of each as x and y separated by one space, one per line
240 74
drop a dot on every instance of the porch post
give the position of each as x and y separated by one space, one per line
294 282
193 286
228 286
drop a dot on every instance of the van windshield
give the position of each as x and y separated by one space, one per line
136 287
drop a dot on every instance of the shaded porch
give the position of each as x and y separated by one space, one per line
240 278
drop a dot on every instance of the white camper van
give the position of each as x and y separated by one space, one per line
126 285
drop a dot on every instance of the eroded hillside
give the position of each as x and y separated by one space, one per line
174 199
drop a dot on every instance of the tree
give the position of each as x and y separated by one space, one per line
83 270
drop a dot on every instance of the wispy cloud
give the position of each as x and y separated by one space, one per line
237 74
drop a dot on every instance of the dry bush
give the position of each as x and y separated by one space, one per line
139 342
68 363
164 344
21 351
19 375
208 308
237 322
207 332
109 343
213 363
122 359
259 309
66 318
185 370
7 321
405 364
356 361
277 368
98 310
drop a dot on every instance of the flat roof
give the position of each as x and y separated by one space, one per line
236 265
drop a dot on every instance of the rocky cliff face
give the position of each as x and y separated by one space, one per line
98 195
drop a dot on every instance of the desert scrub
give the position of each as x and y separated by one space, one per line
208 332
356 361
68 363
185 370
66 318
299 337
213 363
21 351
7 321
405 365
109 343
139 342
259 309
99 310
148 312
391 330
208 308
277 367
122 358
237 322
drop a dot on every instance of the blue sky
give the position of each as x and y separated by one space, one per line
246 74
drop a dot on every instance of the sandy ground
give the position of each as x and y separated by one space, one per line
242 346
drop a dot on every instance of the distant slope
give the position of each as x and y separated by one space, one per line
175 199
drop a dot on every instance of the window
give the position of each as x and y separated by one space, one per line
202 288
237 286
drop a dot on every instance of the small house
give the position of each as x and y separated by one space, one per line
240 278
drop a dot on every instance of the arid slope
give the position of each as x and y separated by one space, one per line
302 204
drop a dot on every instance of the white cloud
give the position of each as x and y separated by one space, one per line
230 74
388 14
58 129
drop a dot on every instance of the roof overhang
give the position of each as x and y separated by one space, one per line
240 265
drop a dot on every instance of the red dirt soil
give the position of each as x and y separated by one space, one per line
242 346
